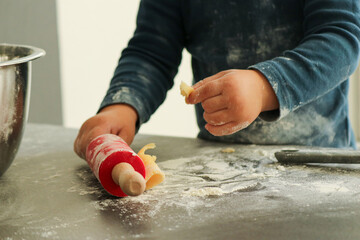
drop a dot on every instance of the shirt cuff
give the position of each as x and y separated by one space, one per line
128 96
276 81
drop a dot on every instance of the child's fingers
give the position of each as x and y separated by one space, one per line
127 135
218 118
85 137
211 78
226 129
215 104
207 88
204 92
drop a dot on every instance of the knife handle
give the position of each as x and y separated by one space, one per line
318 156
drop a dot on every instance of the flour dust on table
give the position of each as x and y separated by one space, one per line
200 180
49 193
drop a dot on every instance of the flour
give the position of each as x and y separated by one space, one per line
234 55
235 128
324 187
117 96
49 234
93 188
191 181
202 192
8 93
204 182
265 153
280 168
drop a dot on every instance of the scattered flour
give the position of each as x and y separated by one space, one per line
49 234
324 187
280 168
201 181
8 91
191 181
202 192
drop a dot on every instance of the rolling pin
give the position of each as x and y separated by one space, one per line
318 156
118 168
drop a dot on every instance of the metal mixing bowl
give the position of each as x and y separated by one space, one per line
15 80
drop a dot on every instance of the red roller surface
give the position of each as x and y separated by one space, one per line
106 151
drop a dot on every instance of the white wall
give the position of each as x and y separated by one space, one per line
34 23
354 102
92 34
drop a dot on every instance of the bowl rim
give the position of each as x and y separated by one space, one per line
36 53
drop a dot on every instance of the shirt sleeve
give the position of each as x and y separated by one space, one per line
327 55
149 63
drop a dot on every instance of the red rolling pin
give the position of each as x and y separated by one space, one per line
117 167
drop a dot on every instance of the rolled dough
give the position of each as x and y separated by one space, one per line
154 175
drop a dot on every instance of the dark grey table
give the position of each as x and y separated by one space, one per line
50 193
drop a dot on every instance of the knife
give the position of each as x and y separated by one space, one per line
318 156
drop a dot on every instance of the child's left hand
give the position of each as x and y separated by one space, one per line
233 99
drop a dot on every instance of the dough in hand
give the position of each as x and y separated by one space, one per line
185 89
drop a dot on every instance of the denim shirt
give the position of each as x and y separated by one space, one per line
307 49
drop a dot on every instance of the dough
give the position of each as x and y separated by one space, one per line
185 89
153 175
228 150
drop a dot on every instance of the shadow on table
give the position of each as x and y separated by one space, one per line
131 215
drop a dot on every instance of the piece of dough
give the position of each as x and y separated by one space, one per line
185 89
228 150
153 175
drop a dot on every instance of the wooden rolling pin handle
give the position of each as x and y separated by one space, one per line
131 182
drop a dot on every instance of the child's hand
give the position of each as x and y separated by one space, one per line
119 119
233 99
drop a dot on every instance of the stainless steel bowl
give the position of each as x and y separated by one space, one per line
15 81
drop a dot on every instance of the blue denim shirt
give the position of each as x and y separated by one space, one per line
307 49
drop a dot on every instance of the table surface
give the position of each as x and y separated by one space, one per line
50 193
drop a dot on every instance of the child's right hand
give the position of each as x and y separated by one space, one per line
119 119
